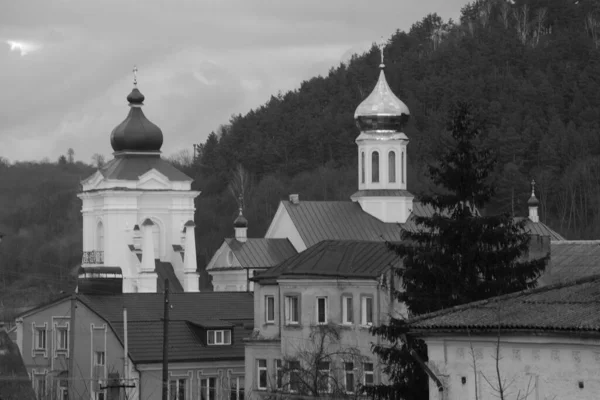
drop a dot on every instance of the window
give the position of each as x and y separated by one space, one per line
208 389
362 167
402 167
40 386
321 310
349 377
270 309
262 374
347 310
100 236
392 166
278 374
220 337
292 310
368 374
294 368
40 338
99 396
62 339
367 311
99 358
323 377
375 167
237 389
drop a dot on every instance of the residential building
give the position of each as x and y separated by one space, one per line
537 344
138 209
320 304
205 346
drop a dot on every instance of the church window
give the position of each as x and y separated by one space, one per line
362 167
375 167
100 236
392 166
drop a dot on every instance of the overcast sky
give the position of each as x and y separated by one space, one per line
66 64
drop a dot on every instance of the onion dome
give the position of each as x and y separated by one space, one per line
381 110
533 201
136 133
240 221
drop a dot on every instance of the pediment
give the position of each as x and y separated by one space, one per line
93 181
153 180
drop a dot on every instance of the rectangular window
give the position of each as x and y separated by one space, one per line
63 394
270 309
367 311
323 377
368 374
99 396
40 338
62 339
237 389
294 367
347 310
40 386
220 337
208 389
349 377
99 358
262 374
321 310
278 374
292 310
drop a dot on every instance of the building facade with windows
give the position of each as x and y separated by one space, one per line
206 348
312 315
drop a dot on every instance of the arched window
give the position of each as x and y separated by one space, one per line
375 167
100 236
362 167
402 166
392 166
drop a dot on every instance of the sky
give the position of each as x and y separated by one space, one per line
66 65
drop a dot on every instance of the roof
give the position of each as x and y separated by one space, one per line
11 365
573 259
190 314
165 270
261 253
334 259
130 167
541 229
559 308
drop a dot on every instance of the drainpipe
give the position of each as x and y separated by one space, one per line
424 366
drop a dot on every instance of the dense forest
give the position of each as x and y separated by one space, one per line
532 67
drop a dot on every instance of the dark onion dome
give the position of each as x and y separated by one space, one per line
381 110
136 133
240 221
533 201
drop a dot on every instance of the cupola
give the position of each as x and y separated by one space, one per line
240 225
533 204
136 133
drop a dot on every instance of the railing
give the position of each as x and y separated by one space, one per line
92 257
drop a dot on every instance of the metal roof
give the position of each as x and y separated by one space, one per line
572 259
261 253
130 167
563 307
539 228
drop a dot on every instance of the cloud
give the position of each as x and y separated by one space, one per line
23 47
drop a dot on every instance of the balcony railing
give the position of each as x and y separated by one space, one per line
92 257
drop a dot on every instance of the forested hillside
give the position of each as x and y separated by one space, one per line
531 66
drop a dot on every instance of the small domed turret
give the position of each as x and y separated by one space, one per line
240 221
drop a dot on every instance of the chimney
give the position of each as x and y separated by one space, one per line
240 225
137 237
533 204
190 282
148 246
294 198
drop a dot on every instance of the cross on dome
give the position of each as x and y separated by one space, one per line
135 70
381 46
533 188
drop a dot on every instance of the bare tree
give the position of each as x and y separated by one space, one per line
240 184
521 16
504 14
98 160
183 158
592 26
540 22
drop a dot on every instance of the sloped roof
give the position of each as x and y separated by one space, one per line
165 270
261 253
131 167
573 259
541 229
563 307
334 259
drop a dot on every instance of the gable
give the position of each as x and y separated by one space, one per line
153 180
221 260
283 227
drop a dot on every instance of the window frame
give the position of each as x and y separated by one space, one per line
261 370
269 308
392 166
60 332
368 372
294 372
347 312
327 373
362 167
99 358
364 310
349 372
212 334
375 167
289 298
41 333
318 310
205 384
279 374
236 388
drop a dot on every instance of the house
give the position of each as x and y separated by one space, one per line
205 348
320 304
541 343
138 210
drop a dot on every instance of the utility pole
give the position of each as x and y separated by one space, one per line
165 376
71 372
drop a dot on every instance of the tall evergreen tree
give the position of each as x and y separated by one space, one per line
456 255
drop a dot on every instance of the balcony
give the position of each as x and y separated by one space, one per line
93 257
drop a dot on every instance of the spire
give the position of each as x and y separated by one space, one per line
240 225
136 133
381 46
533 204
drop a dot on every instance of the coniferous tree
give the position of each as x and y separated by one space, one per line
457 255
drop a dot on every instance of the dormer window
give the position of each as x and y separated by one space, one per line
220 337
